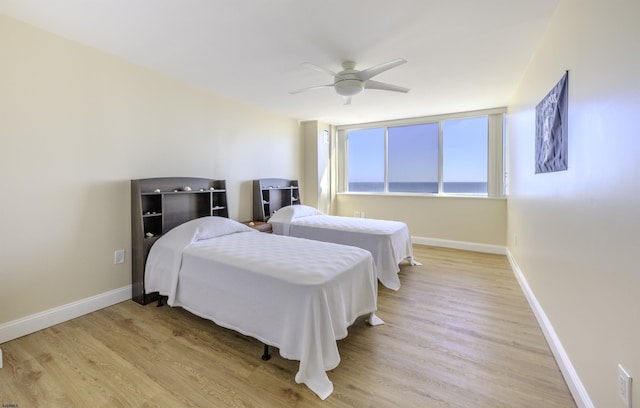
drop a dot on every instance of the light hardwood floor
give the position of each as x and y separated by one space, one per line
459 333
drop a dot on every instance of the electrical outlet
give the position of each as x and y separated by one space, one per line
515 240
624 386
362 214
118 256
356 214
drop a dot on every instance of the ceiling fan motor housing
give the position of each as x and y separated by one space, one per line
348 86
350 82
347 82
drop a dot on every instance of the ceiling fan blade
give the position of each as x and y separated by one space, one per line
384 87
346 100
319 68
378 69
311 88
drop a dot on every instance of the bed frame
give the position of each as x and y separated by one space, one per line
160 204
271 194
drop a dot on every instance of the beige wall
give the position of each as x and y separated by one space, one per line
76 125
577 230
315 184
463 219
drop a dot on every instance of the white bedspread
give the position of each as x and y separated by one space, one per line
282 291
388 241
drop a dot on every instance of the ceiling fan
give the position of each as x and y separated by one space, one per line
350 81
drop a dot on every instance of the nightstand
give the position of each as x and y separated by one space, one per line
259 225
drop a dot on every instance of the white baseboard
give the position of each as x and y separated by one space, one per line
466 246
42 320
570 375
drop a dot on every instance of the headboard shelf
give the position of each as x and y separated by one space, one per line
271 194
161 204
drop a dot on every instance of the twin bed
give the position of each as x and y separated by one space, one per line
284 291
388 241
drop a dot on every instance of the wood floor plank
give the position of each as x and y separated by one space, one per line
458 333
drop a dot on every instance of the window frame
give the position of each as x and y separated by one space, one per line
495 152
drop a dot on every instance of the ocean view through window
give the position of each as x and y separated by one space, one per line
450 155
413 158
417 187
464 155
367 159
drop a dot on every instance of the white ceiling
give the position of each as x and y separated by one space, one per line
461 54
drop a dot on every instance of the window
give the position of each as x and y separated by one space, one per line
366 160
464 155
451 154
413 158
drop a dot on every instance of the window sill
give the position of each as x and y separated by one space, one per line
423 195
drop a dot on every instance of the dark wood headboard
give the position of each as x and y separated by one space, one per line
271 194
160 204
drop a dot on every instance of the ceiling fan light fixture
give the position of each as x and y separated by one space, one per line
350 82
349 87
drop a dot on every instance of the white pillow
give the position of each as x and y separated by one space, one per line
291 212
165 257
211 227
203 228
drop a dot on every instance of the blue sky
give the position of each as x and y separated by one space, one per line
413 152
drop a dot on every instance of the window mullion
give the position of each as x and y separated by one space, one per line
343 160
440 157
495 160
386 159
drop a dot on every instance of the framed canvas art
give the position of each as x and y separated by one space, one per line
552 129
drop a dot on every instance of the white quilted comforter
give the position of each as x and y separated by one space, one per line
388 241
283 291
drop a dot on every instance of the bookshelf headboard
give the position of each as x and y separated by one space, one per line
161 204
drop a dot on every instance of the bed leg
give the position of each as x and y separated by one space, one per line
413 262
266 356
160 302
374 320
